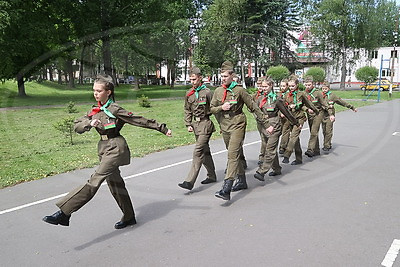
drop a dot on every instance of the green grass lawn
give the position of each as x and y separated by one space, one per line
31 148
50 93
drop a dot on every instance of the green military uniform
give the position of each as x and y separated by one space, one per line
299 100
327 124
197 115
233 124
260 127
315 120
113 152
271 105
285 127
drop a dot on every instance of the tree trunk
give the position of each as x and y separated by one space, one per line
44 73
59 76
168 72
173 74
343 70
80 81
51 73
21 86
70 71
137 85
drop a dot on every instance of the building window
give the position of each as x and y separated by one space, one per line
373 54
393 54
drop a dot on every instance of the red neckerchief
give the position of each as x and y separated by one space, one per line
225 92
263 101
95 110
193 90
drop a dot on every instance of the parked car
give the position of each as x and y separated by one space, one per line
384 85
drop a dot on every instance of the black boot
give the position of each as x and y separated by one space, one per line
259 176
240 183
225 192
58 218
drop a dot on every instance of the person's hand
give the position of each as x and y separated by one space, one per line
270 130
169 133
332 118
292 106
355 110
95 122
190 129
310 111
226 106
282 116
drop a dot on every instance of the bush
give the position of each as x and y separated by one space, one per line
278 73
317 73
144 101
367 74
71 107
66 126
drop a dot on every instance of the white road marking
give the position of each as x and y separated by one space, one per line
391 254
126 178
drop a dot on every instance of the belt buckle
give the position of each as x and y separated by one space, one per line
197 119
104 137
227 116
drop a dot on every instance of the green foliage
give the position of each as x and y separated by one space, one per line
71 107
367 74
278 73
144 101
66 126
317 73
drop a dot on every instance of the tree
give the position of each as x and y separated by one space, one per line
343 25
317 73
278 73
367 74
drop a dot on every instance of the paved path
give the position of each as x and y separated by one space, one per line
340 209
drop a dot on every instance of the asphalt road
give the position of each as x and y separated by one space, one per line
337 209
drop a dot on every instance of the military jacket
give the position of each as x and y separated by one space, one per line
197 112
113 146
234 118
333 99
316 97
272 108
296 102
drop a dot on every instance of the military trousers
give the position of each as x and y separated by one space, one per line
285 133
263 144
314 123
201 156
270 154
294 142
234 144
83 194
327 130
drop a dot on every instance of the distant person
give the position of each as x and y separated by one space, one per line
283 89
107 118
314 119
296 102
328 120
197 120
259 94
349 82
271 105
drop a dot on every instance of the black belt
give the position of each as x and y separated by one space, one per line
105 137
207 117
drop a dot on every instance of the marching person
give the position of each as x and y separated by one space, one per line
314 120
107 119
271 105
227 104
197 120
283 89
258 94
328 120
296 101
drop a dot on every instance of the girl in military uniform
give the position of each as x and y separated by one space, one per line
329 118
296 101
107 118
270 104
